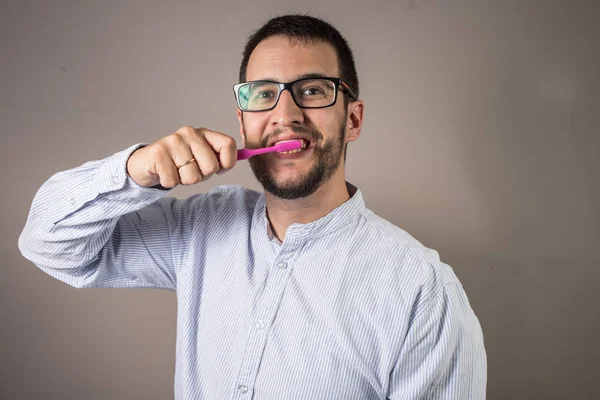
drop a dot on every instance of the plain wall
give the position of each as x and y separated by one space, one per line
480 139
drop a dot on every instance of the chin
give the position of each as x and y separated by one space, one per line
288 179
288 169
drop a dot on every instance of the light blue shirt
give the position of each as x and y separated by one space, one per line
347 307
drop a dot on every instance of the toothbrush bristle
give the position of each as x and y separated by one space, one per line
291 145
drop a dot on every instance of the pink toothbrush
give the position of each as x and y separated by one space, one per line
244 154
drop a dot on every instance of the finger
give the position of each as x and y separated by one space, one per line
166 170
206 160
188 172
225 146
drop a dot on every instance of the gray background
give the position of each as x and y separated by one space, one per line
480 139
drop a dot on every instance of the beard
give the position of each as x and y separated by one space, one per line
327 160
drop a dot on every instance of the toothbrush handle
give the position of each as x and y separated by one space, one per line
243 154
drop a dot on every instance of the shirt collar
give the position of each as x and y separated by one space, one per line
334 220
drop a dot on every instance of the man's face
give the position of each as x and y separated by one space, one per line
297 175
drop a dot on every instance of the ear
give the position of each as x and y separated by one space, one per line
355 120
240 116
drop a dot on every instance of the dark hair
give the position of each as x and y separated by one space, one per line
307 29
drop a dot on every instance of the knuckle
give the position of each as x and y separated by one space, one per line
226 166
186 130
180 135
168 182
176 138
191 133
193 179
229 163
158 150
211 168
230 142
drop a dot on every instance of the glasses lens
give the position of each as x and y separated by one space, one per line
314 92
256 96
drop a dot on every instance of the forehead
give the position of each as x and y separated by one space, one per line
284 59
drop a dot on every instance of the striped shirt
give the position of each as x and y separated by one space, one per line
347 307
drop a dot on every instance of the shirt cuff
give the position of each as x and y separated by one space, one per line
112 174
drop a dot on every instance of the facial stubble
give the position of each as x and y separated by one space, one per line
327 160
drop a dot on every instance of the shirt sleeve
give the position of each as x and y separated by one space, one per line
93 226
443 356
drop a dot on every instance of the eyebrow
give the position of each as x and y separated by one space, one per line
302 76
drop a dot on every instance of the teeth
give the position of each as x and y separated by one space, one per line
291 151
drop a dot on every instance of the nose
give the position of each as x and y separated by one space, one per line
286 113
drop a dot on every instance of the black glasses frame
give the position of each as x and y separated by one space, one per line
339 84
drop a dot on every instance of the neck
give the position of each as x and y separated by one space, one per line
282 213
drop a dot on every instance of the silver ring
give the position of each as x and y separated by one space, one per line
186 163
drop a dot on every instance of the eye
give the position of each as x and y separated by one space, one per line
264 94
312 91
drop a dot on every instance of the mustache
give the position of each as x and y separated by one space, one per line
300 130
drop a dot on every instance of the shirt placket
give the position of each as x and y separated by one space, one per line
264 316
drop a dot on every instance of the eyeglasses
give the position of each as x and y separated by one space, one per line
306 93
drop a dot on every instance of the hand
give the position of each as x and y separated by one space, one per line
157 163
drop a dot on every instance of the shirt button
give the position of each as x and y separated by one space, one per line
260 324
282 265
115 179
73 201
242 389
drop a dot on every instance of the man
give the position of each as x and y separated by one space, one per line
299 292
